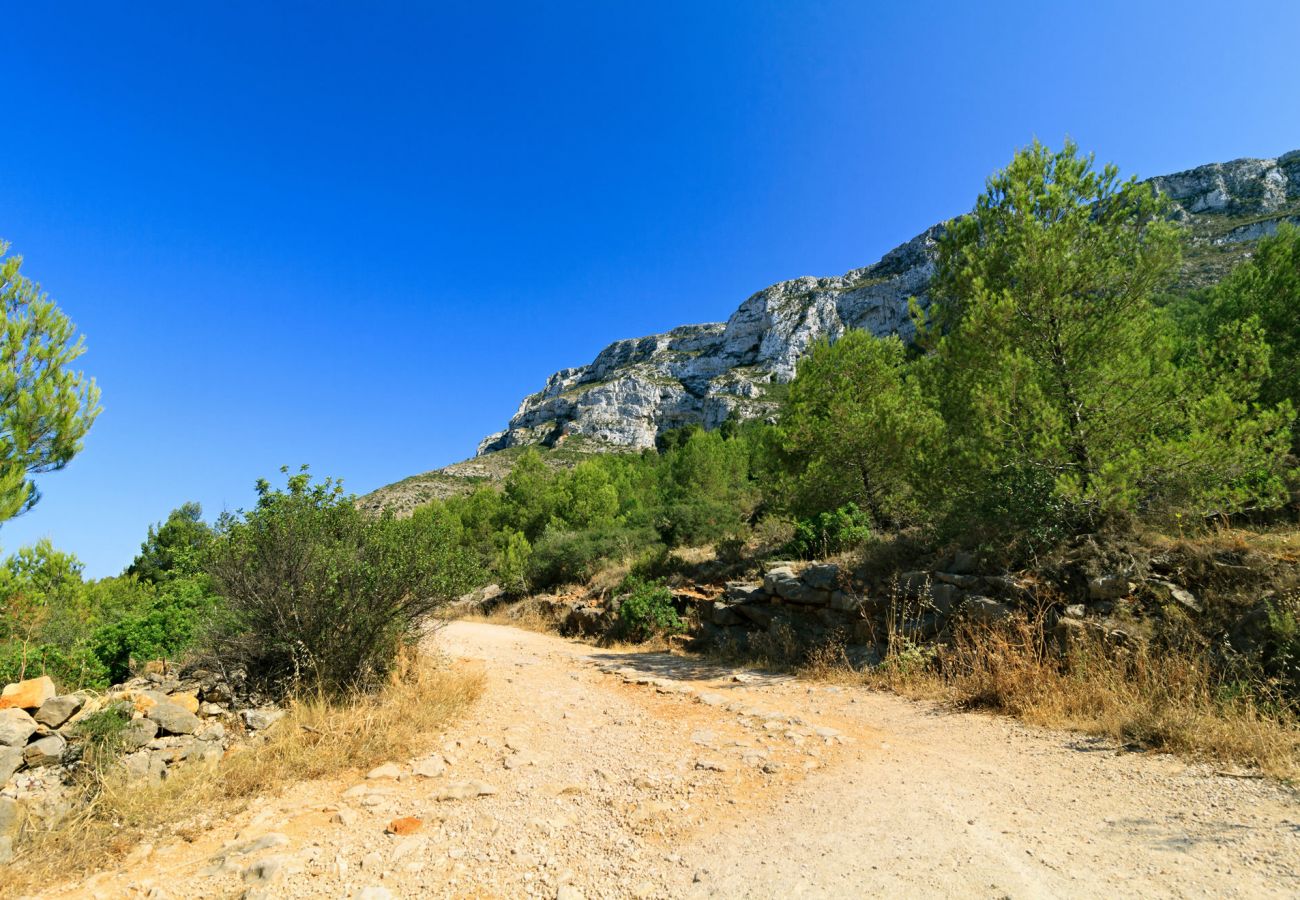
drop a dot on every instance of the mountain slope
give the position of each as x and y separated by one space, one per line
702 374
635 389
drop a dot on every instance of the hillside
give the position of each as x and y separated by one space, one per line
637 388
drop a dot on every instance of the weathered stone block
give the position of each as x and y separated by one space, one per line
48 751
16 726
29 694
822 576
57 710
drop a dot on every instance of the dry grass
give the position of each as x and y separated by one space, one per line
1138 696
317 739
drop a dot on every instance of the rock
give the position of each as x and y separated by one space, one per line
963 563
844 601
219 692
212 732
913 585
138 733
944 597
584 620
760 614
185 701
404 825
264 870
777 582
48 751
863 656
1169 592
57 710
985 610
29 694
375 892
822 576
722 614
429 767
173 719
965 582
261 719
464 790
1107 587
710 765
387 770
11 760
16 726
1076 611
744 592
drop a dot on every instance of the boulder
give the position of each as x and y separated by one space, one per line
781 580
863 656
48 751
745 592
185 700
758 613
914 584
584 620
138 733
15 727
822 576
11 760
965 582
985 610
261 719
173 719
57 710
29 694
217 692
846 601
723 614
944 597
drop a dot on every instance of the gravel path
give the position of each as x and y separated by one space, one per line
585 773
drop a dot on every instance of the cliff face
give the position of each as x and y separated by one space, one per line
635 389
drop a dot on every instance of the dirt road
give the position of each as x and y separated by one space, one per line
589 773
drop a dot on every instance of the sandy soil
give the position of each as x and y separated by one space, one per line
597 773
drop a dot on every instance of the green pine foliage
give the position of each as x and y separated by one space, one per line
46 407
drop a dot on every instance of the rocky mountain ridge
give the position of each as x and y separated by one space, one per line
702 374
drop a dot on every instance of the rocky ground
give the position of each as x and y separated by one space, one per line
593 773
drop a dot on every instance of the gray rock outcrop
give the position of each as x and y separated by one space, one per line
636 389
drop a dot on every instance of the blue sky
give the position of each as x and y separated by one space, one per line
355 235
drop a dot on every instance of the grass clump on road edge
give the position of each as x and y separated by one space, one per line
1141 697
319 738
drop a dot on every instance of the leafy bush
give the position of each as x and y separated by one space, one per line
646 610
162 628
568 557
71 668
828 533
319 596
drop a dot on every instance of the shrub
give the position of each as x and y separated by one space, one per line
319 596
564 557
828 533
647 610
161 628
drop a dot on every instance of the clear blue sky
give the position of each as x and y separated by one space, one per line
355 235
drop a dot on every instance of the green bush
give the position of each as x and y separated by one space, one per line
72 668
828 533
570 557
162 628
646 610
318 596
